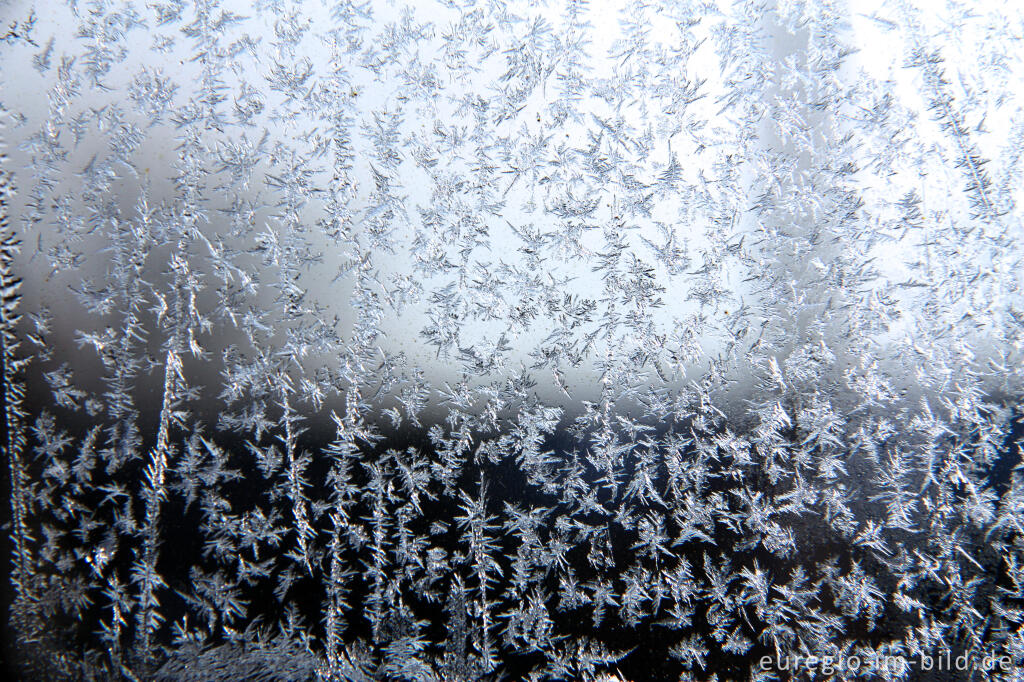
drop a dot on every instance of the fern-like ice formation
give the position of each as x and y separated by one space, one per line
357 340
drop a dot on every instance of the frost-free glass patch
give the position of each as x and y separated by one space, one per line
511 340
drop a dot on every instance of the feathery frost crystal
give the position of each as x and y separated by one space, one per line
410 340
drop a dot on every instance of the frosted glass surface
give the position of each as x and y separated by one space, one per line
511 340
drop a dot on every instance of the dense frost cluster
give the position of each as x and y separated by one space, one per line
648 340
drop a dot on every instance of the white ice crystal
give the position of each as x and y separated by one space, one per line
347 339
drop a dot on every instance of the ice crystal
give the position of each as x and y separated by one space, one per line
358 340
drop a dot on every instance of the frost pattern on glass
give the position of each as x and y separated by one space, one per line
356 340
